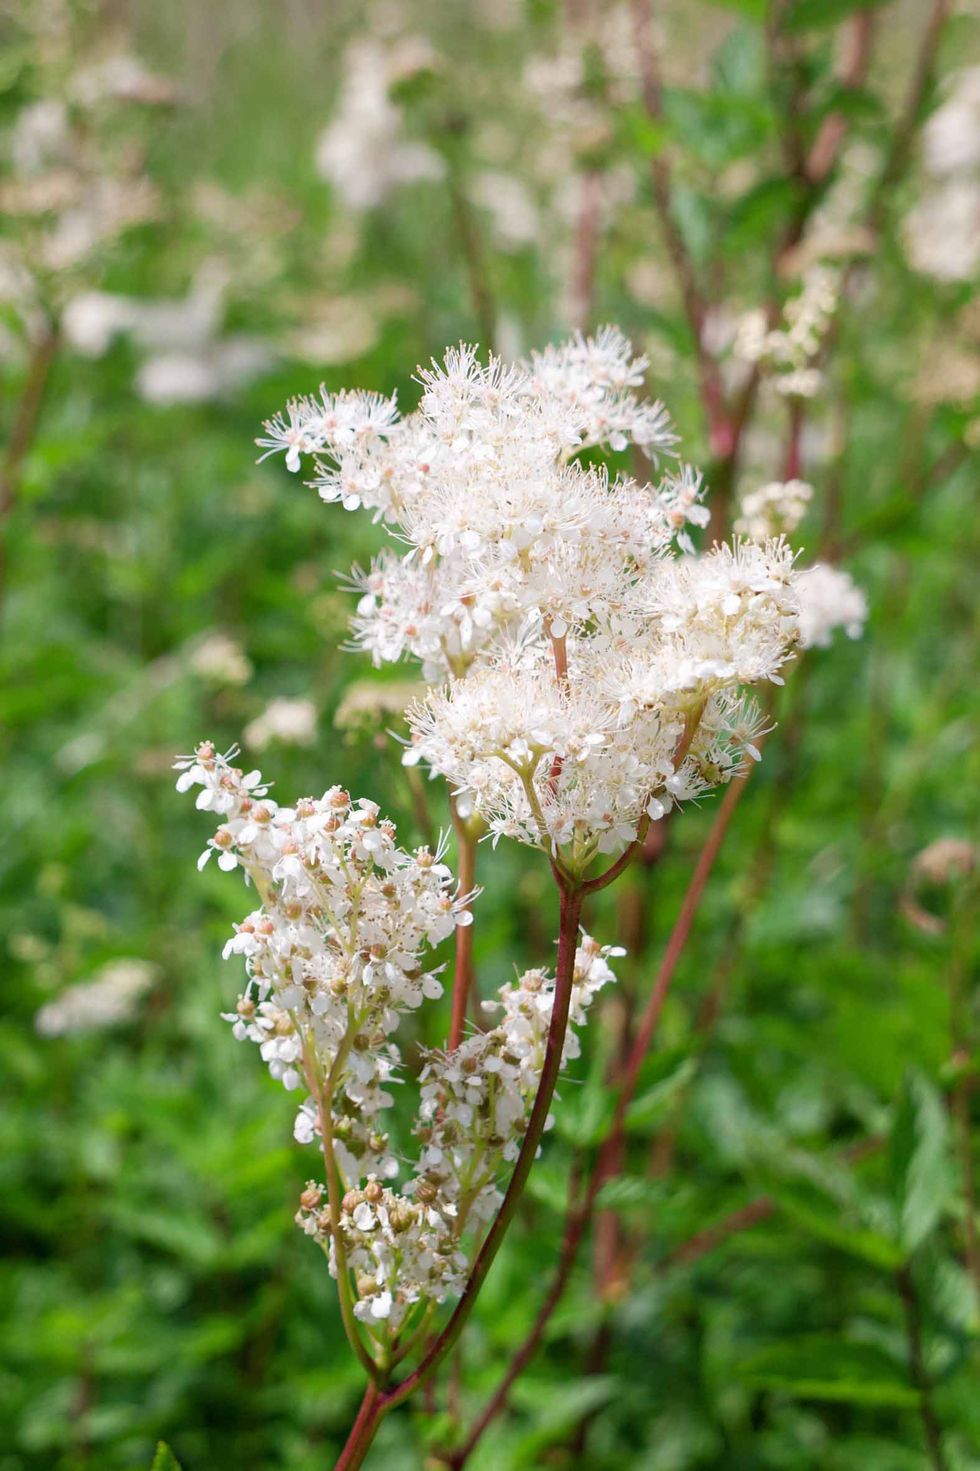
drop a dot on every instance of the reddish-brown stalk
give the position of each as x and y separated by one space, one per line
793 464
378 1402
43 352
586 250
855 58
581 1213
918 1373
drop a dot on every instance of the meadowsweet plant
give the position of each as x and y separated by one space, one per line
588 672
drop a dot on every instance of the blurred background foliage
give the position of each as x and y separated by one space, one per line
782 1276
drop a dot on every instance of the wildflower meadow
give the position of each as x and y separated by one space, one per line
488 681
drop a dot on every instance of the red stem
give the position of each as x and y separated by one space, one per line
377 1404
582 290
23 430
363 1431
793 466
579 1216
855 60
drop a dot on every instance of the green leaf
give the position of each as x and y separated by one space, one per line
564 1404
584 1115
822 1367
919 1163
653 1105
810 15
629 1190
165 1460
754 8
548 1183
817 1216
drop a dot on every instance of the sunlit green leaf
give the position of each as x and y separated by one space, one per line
921 1173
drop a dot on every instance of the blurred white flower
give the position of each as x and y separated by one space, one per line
788 354
175 378
951 137
363 153
221 659
829 599
775 509
110 997
293 722
942 232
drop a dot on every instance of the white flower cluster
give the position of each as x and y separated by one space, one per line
788 354
645 718
942 230
400 1251
829 599
476 1099
502 526
405 1247
111 997
592 672
363 152
775 509
334 955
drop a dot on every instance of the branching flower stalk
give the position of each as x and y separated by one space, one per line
581 1211
588 674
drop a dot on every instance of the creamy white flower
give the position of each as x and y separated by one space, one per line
111 997
400 1251
787 354
293 722
829 599
515 555
574 764
775 509
951 137
334 954
222 659
405 1247
363 153
941 232
476 1100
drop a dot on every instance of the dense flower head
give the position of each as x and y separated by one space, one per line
829 599
774 509
406 1246
400 1251
788 354
335 953
476 1099
496 521
577 763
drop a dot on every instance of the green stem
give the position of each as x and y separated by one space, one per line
323 1093
463 973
